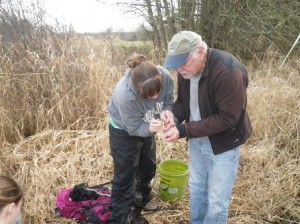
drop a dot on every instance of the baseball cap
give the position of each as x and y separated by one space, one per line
180 47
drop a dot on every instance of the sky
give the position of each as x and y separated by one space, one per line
90 15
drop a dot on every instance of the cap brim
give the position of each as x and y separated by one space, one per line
175 61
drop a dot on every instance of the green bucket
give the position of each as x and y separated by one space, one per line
173 179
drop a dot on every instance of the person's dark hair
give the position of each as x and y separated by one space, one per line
10 192
145 76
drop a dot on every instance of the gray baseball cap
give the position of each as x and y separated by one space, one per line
180 47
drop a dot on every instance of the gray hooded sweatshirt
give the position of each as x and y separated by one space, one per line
131 112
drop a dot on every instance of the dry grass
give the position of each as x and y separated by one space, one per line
53 130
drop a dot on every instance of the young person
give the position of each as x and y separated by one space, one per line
211 113
10 201
144 92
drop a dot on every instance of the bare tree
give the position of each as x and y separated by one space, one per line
244 27
171 27
153 24
161 24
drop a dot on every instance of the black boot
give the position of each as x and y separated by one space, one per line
135 217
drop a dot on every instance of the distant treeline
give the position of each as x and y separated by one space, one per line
137 35
247 28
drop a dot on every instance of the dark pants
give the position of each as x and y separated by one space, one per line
134 168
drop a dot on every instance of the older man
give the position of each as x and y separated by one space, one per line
211 113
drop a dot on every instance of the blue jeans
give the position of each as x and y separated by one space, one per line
211 181
19 220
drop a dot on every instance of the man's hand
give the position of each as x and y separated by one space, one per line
171 135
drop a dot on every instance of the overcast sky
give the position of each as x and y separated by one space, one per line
90 15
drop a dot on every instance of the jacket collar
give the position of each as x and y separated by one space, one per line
208 57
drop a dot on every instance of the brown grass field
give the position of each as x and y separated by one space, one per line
53 132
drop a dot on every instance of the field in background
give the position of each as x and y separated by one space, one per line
53 130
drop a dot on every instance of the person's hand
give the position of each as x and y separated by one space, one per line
171 135
168 119
155 125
